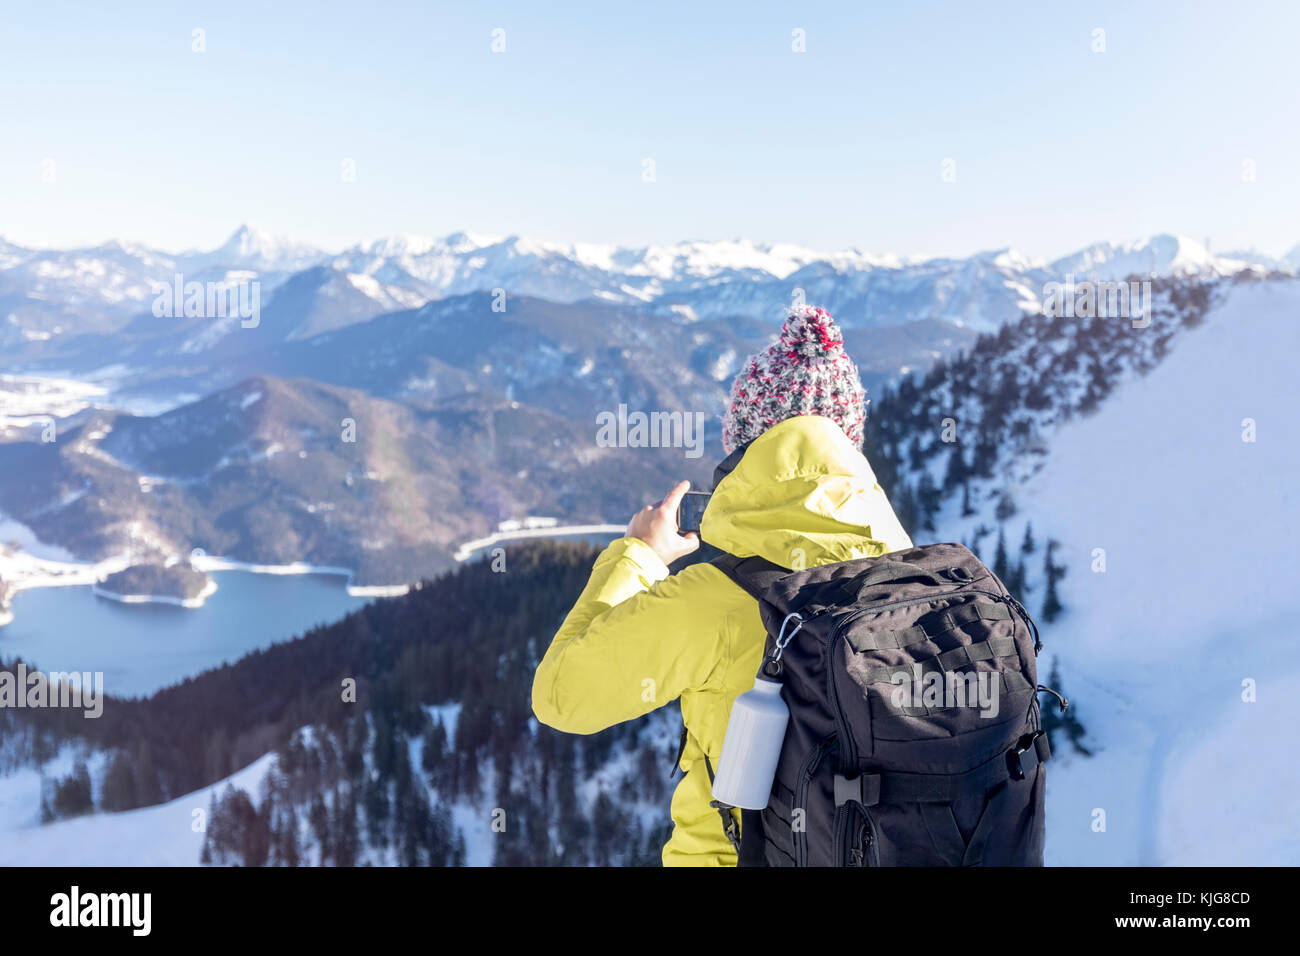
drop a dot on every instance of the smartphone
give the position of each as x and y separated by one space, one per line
691 510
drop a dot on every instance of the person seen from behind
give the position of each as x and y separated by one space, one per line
796 489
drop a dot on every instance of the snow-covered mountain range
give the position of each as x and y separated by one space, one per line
56 294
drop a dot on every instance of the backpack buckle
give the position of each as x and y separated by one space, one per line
1034 744
729 825
863 789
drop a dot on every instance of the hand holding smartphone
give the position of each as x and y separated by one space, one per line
690 512
660 525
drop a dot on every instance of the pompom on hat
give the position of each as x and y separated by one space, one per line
805 372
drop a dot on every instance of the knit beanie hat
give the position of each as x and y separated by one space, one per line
805 372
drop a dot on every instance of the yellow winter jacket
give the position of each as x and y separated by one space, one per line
802 495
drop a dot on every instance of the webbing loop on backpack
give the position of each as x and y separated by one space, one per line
1016 763
949 620
952 660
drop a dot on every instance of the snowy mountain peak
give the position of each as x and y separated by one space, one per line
405 245
252 248
1013 260
1162 254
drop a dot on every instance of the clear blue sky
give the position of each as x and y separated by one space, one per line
1055 146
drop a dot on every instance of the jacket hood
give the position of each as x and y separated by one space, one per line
801 495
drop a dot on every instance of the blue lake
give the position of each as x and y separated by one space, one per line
141 648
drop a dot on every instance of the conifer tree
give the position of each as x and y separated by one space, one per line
1052 606
955 473
966 508
1000 556
1027 544
147 790
1054 719
118 791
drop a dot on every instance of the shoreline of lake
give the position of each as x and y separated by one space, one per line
142 647
467 550
21 570
197 601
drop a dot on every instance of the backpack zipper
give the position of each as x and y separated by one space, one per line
839 835
848 619
864 851
806 771
861 850
1029 621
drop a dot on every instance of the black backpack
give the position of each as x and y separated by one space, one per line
895 753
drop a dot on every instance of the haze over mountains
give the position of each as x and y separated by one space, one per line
50 297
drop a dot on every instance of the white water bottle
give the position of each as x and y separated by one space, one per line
752 747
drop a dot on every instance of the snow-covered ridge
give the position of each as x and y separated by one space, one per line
1200 507
160 835
1157 255
722 277
1159 463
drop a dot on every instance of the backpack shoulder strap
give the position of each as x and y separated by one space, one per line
754 575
